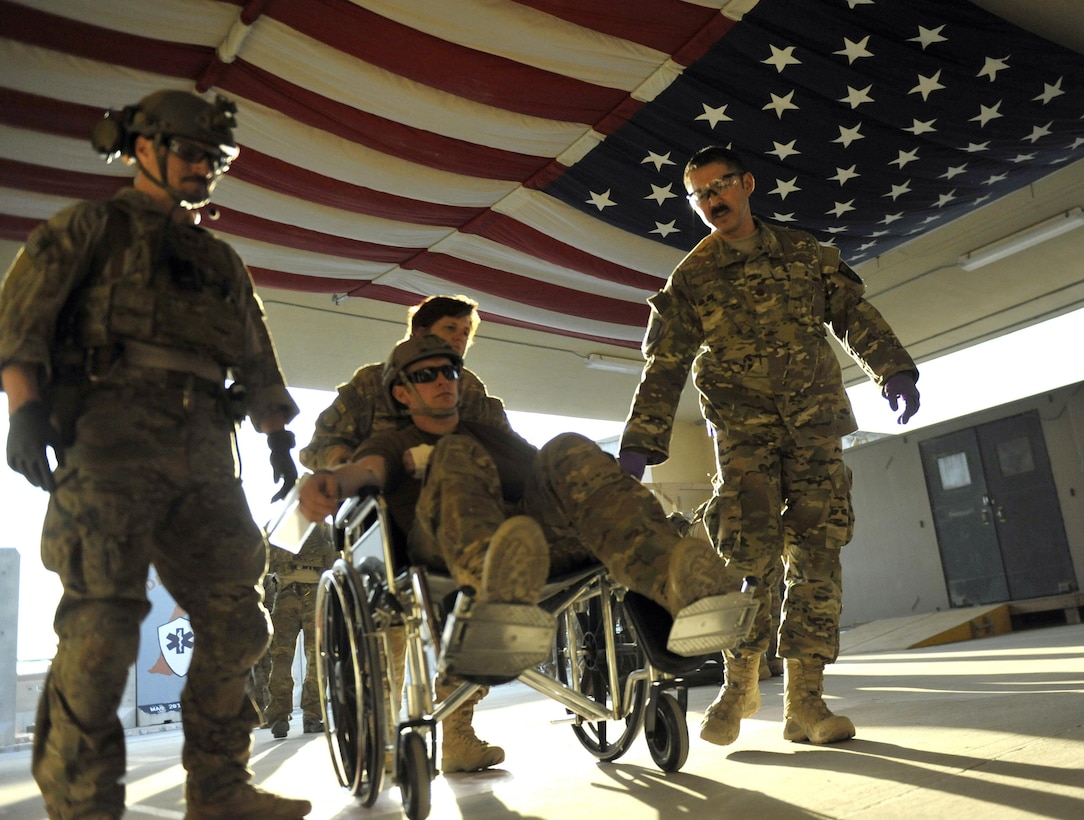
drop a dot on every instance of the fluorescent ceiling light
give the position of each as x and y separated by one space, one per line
1035 235
596 361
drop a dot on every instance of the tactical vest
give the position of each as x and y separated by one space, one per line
164 284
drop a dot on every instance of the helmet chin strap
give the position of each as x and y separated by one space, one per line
163 174
425 409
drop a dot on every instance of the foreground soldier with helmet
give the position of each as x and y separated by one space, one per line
119 323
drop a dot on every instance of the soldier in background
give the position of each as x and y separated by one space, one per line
119 324
747 311
362 408
256 685
296 580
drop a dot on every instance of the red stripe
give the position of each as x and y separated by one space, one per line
74 185
370 291
664 25
36 113
105 45
17 228
532 292
276 175
506 231
464 72
378 133
239 223
305 185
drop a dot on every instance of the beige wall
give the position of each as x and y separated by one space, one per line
683 482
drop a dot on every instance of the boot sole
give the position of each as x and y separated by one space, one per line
516 563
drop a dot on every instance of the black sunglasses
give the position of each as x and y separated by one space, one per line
191 153
425 375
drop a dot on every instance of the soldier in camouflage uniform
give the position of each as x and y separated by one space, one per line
296 579
747 311
256 685
363 408
119 322
499 515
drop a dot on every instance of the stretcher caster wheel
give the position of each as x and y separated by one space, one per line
413 774
668 740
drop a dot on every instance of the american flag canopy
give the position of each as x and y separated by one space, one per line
530 152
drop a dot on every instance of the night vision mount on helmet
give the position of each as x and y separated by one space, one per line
164 115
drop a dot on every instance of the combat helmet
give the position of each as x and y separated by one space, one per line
414 349
166 114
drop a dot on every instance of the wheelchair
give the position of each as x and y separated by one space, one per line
595 648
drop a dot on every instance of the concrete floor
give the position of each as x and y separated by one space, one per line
987 728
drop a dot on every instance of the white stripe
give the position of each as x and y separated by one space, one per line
195 22
275 134
251 199
423 284
528 36
62 153
310 64
481 251
552 217
258 254
28 205
71 79
61 76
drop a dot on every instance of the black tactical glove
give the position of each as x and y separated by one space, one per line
29 433
283 467
902 386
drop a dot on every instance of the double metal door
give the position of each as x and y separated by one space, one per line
996 512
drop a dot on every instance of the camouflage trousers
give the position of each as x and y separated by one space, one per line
780 498
148 481
589 509
294 612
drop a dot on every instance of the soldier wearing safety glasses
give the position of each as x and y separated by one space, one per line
747 310
120 323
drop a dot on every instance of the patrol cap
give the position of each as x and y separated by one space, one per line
166 114
414 349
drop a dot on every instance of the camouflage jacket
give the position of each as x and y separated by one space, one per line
70 292
316 555
753 329
363 408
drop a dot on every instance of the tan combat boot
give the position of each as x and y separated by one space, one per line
462 750
247 802
696 571
516 564
396 667
739 698
806 716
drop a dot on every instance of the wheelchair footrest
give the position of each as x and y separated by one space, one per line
493 642
712 624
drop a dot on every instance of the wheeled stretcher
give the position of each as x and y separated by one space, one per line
595 648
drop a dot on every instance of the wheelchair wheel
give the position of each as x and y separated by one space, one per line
414 776
582 654
668 742
350 681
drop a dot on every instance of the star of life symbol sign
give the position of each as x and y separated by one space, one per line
175 641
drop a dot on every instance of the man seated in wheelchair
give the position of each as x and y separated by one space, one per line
501 516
